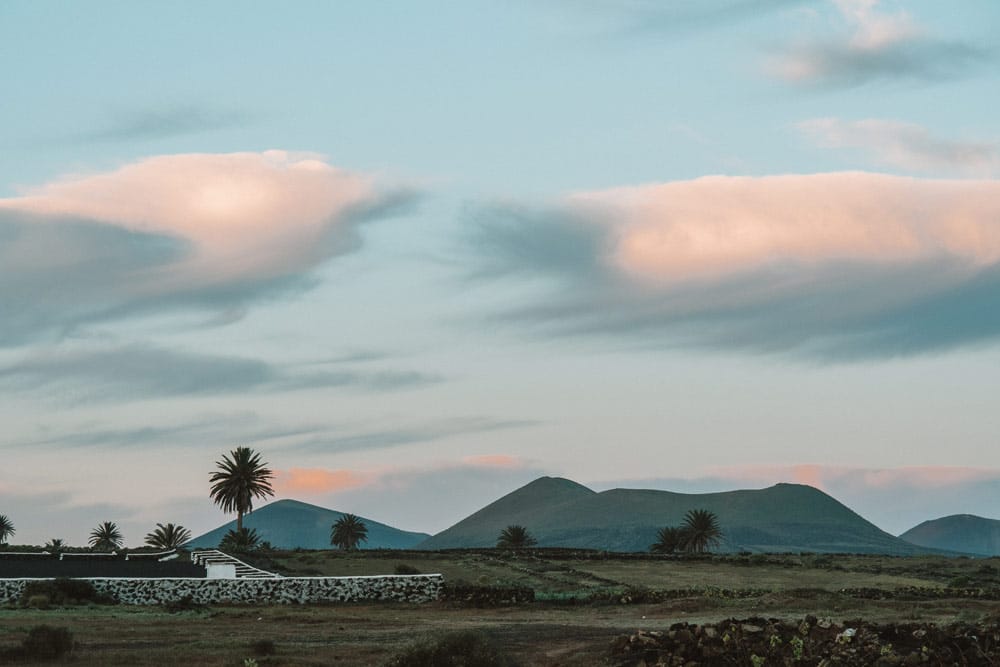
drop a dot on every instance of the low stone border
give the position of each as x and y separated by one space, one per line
286 590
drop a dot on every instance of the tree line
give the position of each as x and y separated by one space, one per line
698 533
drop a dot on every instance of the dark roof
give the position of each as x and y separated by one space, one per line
83 566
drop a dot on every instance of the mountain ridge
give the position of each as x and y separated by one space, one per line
967 533
562 513
291 524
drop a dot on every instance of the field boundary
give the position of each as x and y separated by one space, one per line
285 590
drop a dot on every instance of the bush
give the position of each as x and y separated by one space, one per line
38 602
186 603
62 592
47 643
485 596
403 568
263 647
455 649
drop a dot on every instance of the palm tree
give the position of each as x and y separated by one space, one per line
241 477
169 536
240 541
701 531
55 545
348 532
515 537
106 536
6 528
668 540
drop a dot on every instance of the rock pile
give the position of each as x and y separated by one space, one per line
759 642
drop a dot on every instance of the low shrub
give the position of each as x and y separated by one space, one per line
45 642
62 592
263 647
403 568
454 649
186 603
38 601
485 596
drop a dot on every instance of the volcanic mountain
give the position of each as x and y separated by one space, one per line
966 533
782 518
290 524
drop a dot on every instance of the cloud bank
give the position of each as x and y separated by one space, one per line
138 371
826 265
196 230
873 44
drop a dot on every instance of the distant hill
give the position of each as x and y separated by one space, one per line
562 513
959 532
290 524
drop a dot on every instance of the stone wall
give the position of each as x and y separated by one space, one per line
283 590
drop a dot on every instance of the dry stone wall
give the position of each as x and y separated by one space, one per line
283 590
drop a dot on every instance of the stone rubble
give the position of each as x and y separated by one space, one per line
760 642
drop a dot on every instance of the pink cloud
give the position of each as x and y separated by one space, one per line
718 227
195 230
493 461
244 214
867 42
315 481
873 29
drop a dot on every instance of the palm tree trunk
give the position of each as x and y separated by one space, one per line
239 521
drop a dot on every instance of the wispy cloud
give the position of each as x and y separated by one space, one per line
873 44
398 436
905 145
830 266
201 231
656 16
217 427
137 371
165 122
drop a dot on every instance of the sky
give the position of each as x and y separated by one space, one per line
419 254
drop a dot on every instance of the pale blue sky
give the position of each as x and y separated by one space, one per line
475 322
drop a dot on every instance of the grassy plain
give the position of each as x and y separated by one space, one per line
561 628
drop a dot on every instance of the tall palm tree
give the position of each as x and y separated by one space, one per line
169 536
241 477
348 532
515 537
6 528
701 531
106 536
668 540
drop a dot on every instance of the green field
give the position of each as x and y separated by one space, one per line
578 612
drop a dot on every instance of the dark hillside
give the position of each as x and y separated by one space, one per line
784 517
960 532
291 524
